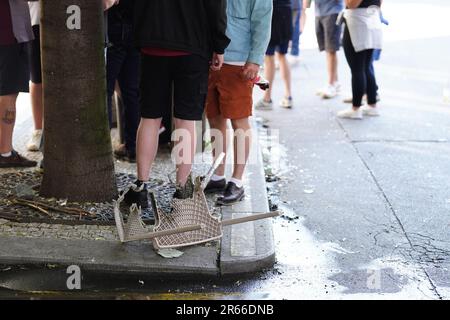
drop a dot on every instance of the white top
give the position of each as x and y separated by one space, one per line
35 12
235 63
365 27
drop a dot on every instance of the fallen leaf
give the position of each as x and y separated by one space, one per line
170 253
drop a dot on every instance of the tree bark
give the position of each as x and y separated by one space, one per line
78 162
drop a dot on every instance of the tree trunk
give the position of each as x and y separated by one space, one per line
78 162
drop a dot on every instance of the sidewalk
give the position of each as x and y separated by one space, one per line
372 196
96 247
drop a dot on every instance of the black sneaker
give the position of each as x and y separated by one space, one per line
140 197
216 186
232 195
15 160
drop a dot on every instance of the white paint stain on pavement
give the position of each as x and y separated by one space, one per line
309 269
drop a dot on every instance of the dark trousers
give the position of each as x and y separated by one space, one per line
363 75
123 65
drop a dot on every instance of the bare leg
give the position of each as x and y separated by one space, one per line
185 156
7 121
147 146
332 66
220 123
242 144
285 74
269 73
37 105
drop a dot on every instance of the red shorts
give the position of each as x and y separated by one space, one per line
230 94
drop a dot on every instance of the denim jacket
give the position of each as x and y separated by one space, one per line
249 28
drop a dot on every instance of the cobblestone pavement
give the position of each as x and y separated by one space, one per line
58 231
162 169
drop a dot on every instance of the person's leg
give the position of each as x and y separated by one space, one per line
115 57
236 104
7 121
34 60
8 157
372 87
190 75
147 146
129 86
269 74
332 67
242 145
295 46
35 87
356 62
185 146
321 29
285 74
156 88
14 78
320 33
332 45
219 123
37 107
218 133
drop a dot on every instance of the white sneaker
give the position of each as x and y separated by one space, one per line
338 87
35 141
286 103
369 111
264 105
330 92
293 60
351 114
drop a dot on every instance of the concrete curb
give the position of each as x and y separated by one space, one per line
108 257
249 247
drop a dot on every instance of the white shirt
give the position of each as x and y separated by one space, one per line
365 27
235 63
35 12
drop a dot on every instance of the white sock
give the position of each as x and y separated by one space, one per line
237 182
7 155
215 177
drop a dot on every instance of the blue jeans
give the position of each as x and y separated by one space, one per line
295 49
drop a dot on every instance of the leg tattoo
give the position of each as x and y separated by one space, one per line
9 117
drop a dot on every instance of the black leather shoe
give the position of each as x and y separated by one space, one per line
137 197
216 186
232 195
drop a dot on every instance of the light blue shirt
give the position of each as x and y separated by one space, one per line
249 28
328 7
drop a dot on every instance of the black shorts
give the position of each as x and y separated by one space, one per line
34 57
14 69
328 33
187 75
282 27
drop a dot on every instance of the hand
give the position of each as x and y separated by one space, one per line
217 62
109 3
251 70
